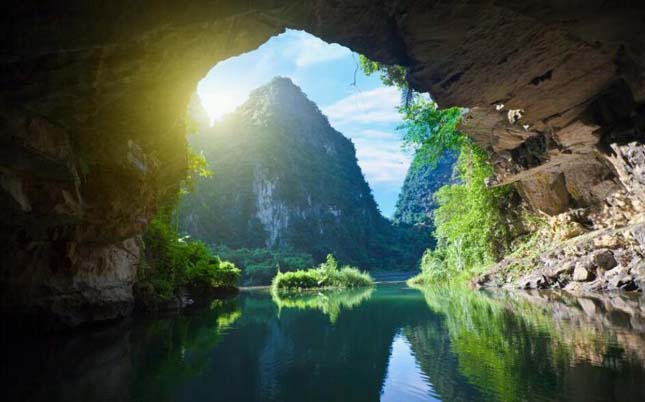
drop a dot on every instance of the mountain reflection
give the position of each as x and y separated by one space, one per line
389 343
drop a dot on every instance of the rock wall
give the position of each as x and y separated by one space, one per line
93 99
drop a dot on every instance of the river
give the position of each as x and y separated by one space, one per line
388 343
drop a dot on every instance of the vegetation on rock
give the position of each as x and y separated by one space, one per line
326 275
173 266
416 203
472 227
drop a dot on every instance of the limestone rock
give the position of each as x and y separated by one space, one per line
534 281
581 274
546 192
604 259
560 269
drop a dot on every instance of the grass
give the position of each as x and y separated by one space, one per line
327 275
435 270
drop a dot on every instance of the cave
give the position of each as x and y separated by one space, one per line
94 97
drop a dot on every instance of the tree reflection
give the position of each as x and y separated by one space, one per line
522 347
329 302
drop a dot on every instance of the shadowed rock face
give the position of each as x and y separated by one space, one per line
94 94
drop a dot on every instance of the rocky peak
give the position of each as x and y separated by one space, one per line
280 111
282 100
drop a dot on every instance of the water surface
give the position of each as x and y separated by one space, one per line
390 343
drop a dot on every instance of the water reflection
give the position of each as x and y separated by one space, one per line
545 346
390 344
404 379
329 302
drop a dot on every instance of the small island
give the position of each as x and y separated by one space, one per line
326 275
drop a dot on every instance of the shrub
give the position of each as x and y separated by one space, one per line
260 265
172 265
471 227
327 275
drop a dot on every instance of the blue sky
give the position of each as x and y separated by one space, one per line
365 112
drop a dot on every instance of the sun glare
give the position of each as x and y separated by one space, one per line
218 104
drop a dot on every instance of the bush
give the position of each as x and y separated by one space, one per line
433 269
172 265
260 265
472 228
327 275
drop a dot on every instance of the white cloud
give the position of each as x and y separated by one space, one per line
382 161
375 135
375 106
308 50
230 82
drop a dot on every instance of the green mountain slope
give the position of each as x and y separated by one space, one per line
416 202
285 179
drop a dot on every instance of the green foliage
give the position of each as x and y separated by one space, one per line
433 269
329 302
471 226
171 264
416 203
197 167
428 129
390 75
174 264
470 221
196 121
260 265
432 131
326 275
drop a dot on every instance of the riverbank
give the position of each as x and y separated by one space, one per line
610 259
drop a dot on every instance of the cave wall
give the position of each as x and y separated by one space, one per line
93 99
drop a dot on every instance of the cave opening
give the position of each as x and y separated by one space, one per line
547 100
95 99
300 140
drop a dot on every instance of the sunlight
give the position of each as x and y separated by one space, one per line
358 106
220 103
290 54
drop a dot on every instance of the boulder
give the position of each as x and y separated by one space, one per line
581 274
604 259
565 268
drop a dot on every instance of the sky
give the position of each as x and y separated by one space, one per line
365 112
